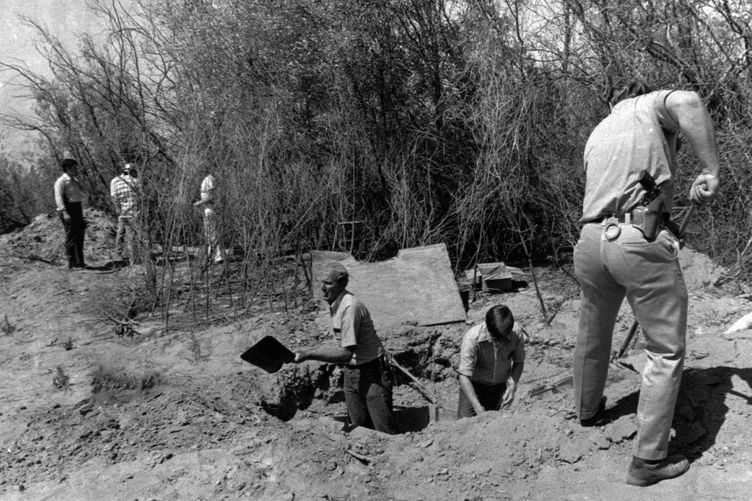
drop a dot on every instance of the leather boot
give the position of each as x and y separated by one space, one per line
643 473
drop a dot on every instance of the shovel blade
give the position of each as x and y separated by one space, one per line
268 354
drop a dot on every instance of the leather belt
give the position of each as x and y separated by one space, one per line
635 217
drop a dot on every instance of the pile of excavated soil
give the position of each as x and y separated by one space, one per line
44 238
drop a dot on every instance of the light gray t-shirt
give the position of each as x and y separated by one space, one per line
637 136
352 324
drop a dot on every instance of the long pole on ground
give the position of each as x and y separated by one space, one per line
535 279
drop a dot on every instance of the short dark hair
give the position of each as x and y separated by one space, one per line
499 320
627 89
68 163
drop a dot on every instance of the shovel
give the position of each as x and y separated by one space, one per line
268 354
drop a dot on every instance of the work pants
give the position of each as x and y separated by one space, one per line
489 395
368 395
127 236
211 234
649 275
75 229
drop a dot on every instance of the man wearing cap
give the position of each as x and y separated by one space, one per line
367 383
627 249
124 192
68 200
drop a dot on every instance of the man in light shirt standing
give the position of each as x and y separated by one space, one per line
492 356
68 201
211 225
124 191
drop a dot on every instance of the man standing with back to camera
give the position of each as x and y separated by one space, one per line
124 192
626 249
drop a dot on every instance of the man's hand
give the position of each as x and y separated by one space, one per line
479 409
64 217
704 189
508 397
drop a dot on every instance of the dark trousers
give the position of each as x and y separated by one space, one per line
489 395
368 395
74 234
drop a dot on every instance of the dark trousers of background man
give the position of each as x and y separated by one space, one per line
75 229
489 396
368 395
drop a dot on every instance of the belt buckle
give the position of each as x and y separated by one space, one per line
612 232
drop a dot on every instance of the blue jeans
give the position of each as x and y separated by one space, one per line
649 276
368 395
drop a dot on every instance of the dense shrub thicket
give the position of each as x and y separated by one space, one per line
371 126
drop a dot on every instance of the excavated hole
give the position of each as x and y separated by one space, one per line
428 356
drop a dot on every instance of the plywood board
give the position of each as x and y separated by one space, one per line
417 287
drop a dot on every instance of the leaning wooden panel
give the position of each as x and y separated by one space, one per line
417 287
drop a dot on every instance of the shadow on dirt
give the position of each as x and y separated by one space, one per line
705 399
701 409
624 407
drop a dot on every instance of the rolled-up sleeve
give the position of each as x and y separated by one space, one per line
468 357
665 118
518 356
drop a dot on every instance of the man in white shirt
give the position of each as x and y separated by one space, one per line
211 224
68 201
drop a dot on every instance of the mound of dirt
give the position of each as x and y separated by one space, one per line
699 270
44 238
89 414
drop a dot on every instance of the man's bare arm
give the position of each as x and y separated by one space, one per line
467 387
328 354
694 120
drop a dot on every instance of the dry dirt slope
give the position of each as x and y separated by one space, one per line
179 416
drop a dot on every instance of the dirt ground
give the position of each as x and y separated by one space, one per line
93 409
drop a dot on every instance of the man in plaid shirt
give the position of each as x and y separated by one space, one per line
124 191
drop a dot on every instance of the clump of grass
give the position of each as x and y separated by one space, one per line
61 380
195 347
6 326
109 378
68 345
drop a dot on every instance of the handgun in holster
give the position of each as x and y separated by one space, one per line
653 216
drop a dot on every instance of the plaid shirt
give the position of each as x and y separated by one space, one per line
123 190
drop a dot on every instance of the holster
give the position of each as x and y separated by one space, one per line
649 219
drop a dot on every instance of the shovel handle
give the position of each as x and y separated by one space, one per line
685 223
627 340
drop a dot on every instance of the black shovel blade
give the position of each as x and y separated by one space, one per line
269 354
